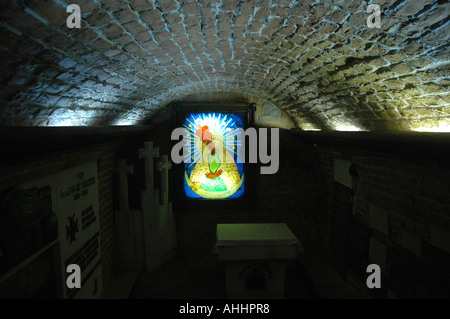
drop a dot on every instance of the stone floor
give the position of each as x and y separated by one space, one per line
308 277
178 279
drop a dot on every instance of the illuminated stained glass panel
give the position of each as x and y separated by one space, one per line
211 169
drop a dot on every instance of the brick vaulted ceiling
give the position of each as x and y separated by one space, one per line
318 61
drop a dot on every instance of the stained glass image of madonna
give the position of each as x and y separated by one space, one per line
213 172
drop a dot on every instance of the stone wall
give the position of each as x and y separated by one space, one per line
24 282
400 220
266 114
290 196
316 60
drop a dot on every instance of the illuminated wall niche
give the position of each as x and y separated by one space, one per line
214 171
211 171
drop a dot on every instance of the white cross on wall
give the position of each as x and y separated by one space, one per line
147 153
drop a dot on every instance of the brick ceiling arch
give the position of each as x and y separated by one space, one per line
316 60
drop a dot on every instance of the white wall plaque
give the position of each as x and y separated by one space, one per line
75 203
341 173
78 222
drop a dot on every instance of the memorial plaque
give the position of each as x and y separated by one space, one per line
341 172
77 210
74 197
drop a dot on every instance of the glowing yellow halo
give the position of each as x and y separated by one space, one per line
214 195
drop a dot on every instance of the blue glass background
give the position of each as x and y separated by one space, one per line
238 120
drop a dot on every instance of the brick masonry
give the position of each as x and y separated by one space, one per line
415 199
316 60
28 171
290 196
262 118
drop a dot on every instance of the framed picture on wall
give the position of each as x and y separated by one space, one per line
214 169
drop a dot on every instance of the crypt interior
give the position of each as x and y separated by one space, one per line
357 118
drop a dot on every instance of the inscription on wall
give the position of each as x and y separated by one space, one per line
78 200
74 198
